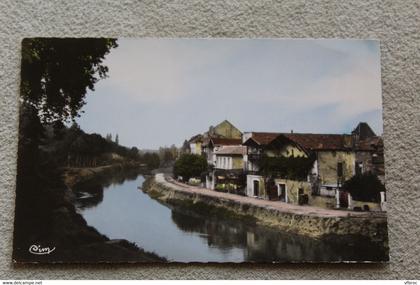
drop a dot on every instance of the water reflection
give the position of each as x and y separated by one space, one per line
119 210
91 193
265 244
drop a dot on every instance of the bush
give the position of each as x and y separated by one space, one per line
190 165
226 187
364 187
296 168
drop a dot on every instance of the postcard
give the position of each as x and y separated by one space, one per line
200 150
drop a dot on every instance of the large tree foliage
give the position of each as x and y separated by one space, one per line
56 74
364 187
151 159
296 168
190 165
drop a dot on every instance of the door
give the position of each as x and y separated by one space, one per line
343 199
282 192
256 187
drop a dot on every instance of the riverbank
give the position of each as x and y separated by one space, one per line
110 250
303 220
75 175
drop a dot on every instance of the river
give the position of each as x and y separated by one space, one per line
120 210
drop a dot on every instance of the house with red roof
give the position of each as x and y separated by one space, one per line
330 160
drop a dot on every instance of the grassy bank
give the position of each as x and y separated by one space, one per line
76 175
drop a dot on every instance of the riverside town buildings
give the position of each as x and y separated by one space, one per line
239 163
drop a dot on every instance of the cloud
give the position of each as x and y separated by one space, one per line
153 70
162 91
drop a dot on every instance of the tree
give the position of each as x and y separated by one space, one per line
296 168
55 77
364 187
190 165
56 74
117 139
151 159
134 153
185 147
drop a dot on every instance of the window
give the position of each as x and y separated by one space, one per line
300 191
339 169
359 168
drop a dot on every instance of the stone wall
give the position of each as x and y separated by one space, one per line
292 189
327 165
372 226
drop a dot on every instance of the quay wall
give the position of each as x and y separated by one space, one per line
372 226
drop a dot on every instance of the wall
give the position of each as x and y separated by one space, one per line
365 157
250 184
322 202
196 148
226 130
327 165
287 151
237 162
292 188
229 162
372 206
394 22
304 224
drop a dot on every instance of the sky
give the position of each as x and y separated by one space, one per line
160 92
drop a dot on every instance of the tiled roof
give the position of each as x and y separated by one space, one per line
371 144
363 131
224 141
196 138
307 141
231 149
263 138
321 141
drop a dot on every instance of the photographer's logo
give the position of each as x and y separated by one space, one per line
37 249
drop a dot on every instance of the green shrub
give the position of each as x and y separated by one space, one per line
364 187
190 165
296 168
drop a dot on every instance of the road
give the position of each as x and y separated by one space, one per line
276 205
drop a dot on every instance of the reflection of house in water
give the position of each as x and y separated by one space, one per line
223 234
265 244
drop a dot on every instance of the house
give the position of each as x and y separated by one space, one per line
196 143
334 159
223 132
228 167
264 146
212 145
369 151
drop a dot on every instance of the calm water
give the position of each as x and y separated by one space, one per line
118 209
